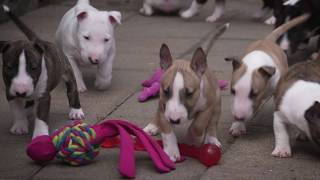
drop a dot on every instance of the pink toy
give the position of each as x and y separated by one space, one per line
208 154
78 144
151 86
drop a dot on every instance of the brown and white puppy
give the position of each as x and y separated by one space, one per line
188 91
297 99
256 75
31 69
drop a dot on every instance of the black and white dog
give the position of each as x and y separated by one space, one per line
31 69
287 10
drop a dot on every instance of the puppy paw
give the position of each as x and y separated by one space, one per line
76 114
212 140
237 129
187 14
173 153
102 85
82 88
270 21
282 151
20 127
151 129
40 128
147 11
213 18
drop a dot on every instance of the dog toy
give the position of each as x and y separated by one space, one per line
151 86
208 154
78 144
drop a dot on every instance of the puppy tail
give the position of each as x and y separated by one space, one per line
274 36
28 32
216 36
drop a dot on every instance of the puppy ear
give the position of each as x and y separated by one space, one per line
115 17
267 71
4 46
81 13
165 57
199 62
313 113
236 62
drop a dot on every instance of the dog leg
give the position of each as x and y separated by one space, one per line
151 129
282 145
20 124
42 116
218 11
146 9
170 146
73 96
237 129
104 74
78 75
193 9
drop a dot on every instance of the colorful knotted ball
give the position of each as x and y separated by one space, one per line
71 144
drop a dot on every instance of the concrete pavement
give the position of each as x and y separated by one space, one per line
138 42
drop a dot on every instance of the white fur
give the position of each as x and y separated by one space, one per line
163 5
202 101
193 10
237 128
291 2
76 114
300 97
285 43
242 104
71 34
170 146
42 81
151 129
174 108
23 82
212 140
218 11
6 8
40 128
271 20
20 123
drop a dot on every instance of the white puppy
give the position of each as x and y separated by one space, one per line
86 36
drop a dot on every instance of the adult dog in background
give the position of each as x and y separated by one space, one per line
189 8
86 36
31 70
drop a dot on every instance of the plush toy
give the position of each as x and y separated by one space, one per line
151 86
208 154
79 143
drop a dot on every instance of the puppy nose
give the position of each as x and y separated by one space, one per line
94 60
177 121
239 118
21 94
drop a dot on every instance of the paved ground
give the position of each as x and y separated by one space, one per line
138 42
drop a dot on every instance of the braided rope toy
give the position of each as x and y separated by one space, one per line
79 143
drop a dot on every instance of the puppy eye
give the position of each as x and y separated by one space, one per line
86 37
189 93
252 94
106 39
166 92
233 92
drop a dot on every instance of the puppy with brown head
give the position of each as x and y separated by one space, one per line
256 75
188 91
297 100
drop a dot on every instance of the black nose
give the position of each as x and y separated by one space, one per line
175 121
239 119
21 94
93 61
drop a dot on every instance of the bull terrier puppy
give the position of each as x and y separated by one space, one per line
188 90
297 99
31 70
86 36
254 78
